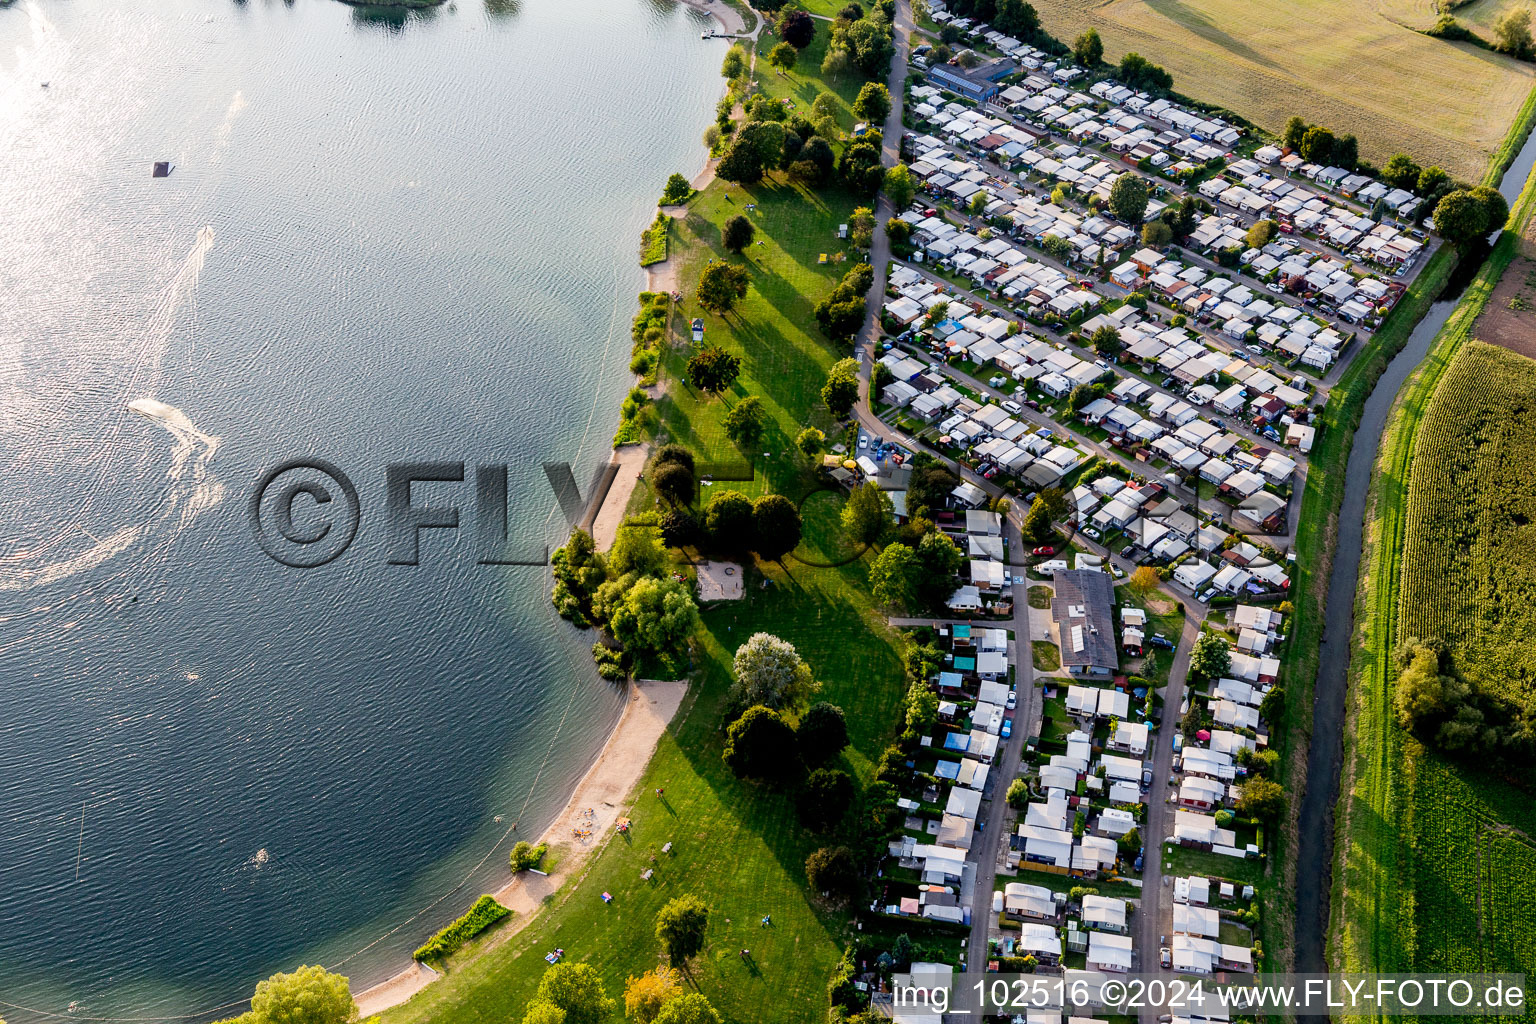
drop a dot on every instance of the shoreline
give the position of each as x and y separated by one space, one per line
650 705
605 789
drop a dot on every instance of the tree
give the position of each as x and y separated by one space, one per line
1128 198
783 56
797 29
1088 49
689 1008
680 927
309 995
1016 18
758 146
721 285
818 153
860 167
870 40
1261 798
646 995
868 514
841 389
1461 219
1018 794
900 187
760 745
578 990
1431 180
893 576
832 870
1143 581
1056 247
1346 152
746 421
1106 340
1295 130
861 226
678 189
541 1012
1512 33
637 548
656 616
728 520
680 528
979 202
823 732
776 527
735 63
1494 206
899 233
673 483
825 800
1156 234
809 441
873 103
770 672
1261 234
929 486
712 369
1082 395
939 560
1211 656
1401 172
737 233
841 313
837 63
1037 522
1317 145
1130 843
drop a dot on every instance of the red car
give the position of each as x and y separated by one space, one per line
1047 550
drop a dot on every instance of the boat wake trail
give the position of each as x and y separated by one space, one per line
191 489
190 486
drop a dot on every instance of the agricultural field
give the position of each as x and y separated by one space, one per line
1469 565
1351 64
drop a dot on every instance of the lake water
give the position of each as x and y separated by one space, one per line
384 239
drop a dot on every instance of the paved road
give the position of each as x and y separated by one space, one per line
1154 917
990 845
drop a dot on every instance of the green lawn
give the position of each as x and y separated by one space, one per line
1046 656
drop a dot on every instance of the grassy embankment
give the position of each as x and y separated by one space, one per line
1429 875
739 847
1335 62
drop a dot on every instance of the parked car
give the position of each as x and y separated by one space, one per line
1007 726
863 441
1158 640
1046 550
1165 957
1013 699
1146 779
1091 533
1204 597
1013 407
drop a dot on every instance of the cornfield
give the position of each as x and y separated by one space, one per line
1469 557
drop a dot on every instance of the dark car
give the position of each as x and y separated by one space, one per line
1146 780
1158 640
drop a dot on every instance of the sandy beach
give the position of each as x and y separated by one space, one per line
604 791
